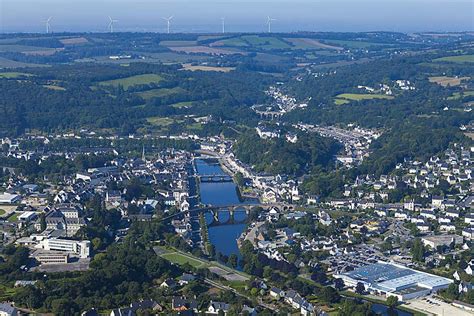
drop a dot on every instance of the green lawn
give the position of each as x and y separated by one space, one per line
14 75
2 212
456 59
13 218
180 259
133 81
156 93
344 97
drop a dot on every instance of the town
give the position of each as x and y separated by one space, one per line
77 200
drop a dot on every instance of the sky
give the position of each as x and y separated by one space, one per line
240 15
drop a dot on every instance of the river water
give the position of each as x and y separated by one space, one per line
224 193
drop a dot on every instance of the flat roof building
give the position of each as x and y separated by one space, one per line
80 248
51 257
7 198
395 280
441 240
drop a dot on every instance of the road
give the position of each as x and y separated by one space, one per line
228 288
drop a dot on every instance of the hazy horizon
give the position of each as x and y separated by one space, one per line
240 15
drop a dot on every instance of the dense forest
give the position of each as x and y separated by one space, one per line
280 156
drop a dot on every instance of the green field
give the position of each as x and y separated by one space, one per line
160 121
341 101
310 43
133 81
25 48
14 75
352 44
359 97
177 43
180 259
156 93
8 63
194 126
235 42
2 212
457 95
456 59
265 42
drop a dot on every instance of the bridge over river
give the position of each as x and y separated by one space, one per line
214 178
231 209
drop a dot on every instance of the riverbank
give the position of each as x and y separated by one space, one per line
179 257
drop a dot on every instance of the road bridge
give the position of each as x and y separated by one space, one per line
214 178
214 209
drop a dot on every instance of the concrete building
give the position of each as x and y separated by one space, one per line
79 248
441 240
51 257
7 198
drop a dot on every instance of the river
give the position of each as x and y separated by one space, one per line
224 237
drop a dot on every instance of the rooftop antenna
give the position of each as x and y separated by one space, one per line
223 25
168 23
269 23
48 24
111 24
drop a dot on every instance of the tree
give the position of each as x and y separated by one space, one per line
239 179
211 250
339 284
43 222
386 245
319 276
329 295
418 250
360 288
392 301
233 260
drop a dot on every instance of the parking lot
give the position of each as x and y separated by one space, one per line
361 255
433 306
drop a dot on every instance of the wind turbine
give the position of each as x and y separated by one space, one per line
48 25
269 23
223 25
111 24
168 22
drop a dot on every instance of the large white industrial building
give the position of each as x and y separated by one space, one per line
395 280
